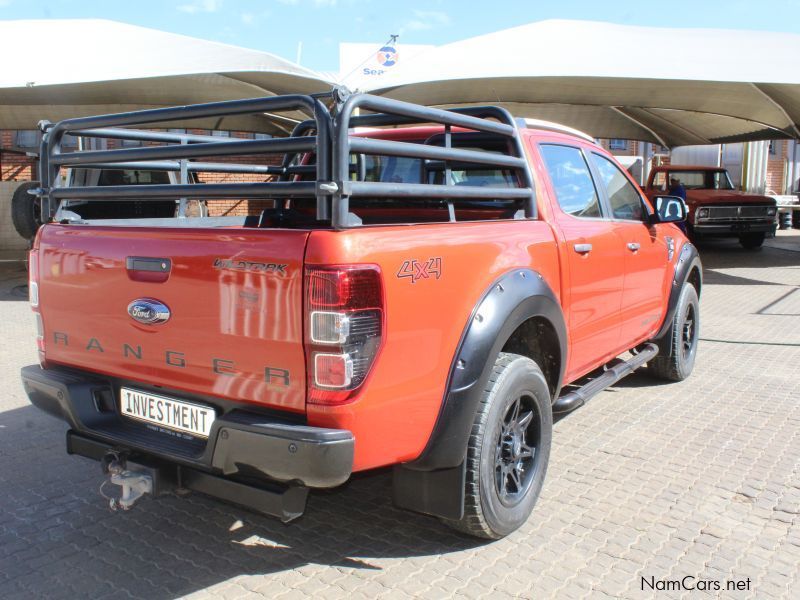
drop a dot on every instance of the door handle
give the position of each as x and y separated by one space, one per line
583 248
633 246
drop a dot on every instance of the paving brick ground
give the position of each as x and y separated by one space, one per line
700 478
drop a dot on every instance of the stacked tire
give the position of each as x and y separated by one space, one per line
26 210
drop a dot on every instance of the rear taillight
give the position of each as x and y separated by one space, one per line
33 295
344 329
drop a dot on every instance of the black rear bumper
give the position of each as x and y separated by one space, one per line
241 444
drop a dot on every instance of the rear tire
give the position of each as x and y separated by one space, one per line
508 449
752 241
678 348
25 210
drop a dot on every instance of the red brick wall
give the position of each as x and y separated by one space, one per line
13 166
19 167
776 167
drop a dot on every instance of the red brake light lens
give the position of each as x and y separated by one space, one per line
345 287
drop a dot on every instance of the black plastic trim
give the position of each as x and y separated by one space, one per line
239 440
688 260
511 300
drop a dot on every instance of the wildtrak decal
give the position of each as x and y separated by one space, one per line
232 264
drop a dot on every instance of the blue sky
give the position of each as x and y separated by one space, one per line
278 26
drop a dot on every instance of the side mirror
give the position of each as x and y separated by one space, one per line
669 209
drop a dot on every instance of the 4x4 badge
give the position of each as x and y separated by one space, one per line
421 269
148 311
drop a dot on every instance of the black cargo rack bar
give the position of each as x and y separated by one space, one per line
294 189
317 157
394 112
275 145
120 133
191 166
185 147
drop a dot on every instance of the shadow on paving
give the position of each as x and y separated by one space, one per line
58 538
727 254
13 282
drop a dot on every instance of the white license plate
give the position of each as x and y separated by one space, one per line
173 414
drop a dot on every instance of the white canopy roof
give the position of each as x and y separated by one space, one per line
671 86
85 67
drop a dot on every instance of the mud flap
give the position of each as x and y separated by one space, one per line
439 493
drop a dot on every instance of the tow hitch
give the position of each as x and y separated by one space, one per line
139 475
134 483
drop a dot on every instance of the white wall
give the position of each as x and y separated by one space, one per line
733 160
705 156
756 167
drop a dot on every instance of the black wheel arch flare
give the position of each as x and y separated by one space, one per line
434 483
687 268
512 299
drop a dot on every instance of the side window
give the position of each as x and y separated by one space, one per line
572 180
623 197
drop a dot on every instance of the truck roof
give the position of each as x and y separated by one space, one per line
425 131
557 127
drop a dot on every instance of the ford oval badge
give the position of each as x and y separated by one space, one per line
148 311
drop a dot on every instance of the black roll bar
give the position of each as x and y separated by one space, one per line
53 158
395 112
328 136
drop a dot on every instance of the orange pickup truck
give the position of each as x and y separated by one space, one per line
414 287
716 208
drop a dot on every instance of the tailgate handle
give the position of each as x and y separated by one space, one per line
141 263
146 268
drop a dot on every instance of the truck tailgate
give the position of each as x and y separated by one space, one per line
234 298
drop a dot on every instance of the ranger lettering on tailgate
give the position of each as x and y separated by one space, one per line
174 358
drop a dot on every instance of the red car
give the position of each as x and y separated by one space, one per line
716 208
424 297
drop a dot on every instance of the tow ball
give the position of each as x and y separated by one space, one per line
134 484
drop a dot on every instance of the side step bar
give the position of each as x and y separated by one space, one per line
614 371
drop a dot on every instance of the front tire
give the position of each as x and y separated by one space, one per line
752 241
508 449
678 348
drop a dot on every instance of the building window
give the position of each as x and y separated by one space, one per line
262 136
773 148
616 144
29 139
220 133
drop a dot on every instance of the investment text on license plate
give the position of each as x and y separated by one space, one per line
167 412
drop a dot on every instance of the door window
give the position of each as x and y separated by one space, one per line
572 180
622 195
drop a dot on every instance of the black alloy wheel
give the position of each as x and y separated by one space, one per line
516 451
